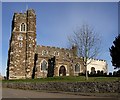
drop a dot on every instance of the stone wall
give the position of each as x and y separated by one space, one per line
99 65
63 57
22 45
83 87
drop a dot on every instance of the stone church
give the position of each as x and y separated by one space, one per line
26 59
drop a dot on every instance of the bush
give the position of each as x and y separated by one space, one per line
105 74
101 73
118 73
98 72
114 73
110 74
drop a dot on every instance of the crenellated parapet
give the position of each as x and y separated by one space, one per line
53 47
54 51
93 59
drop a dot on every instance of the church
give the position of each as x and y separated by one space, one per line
27 59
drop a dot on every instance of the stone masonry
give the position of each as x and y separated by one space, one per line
26 59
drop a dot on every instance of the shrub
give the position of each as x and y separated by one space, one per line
110 74
114 73
98 72
118 73
101 73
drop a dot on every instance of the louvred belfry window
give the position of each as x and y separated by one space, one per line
23 27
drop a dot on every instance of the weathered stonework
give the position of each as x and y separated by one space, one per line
22 45
28 60
65 58
82 87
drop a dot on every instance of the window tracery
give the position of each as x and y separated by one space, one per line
77 67
23 27
44 65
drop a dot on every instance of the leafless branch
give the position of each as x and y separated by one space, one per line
87 42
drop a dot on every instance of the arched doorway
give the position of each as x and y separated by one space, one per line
92 70
62 71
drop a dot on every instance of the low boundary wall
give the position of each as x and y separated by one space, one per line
83 87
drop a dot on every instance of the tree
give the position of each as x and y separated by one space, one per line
115 52
87 42
51 65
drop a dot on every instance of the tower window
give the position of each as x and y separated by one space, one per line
30 45
22 28
20 37
20 44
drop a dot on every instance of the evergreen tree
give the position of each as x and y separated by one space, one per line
51 65
115 52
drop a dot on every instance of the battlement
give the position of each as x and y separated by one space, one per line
96 59
31 10
18 14
93 59
24 13
53 47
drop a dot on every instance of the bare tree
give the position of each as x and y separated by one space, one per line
87 42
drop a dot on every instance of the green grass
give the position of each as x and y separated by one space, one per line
67 79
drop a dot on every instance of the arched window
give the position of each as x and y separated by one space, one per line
20 44
23 28
56 53
44 52
77 67
68 54
62 71
44 65
93 70
30 45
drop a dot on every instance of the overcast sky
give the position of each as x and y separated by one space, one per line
56 21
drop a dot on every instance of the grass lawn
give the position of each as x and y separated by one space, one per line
67 79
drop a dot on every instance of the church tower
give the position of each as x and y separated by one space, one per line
22 45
